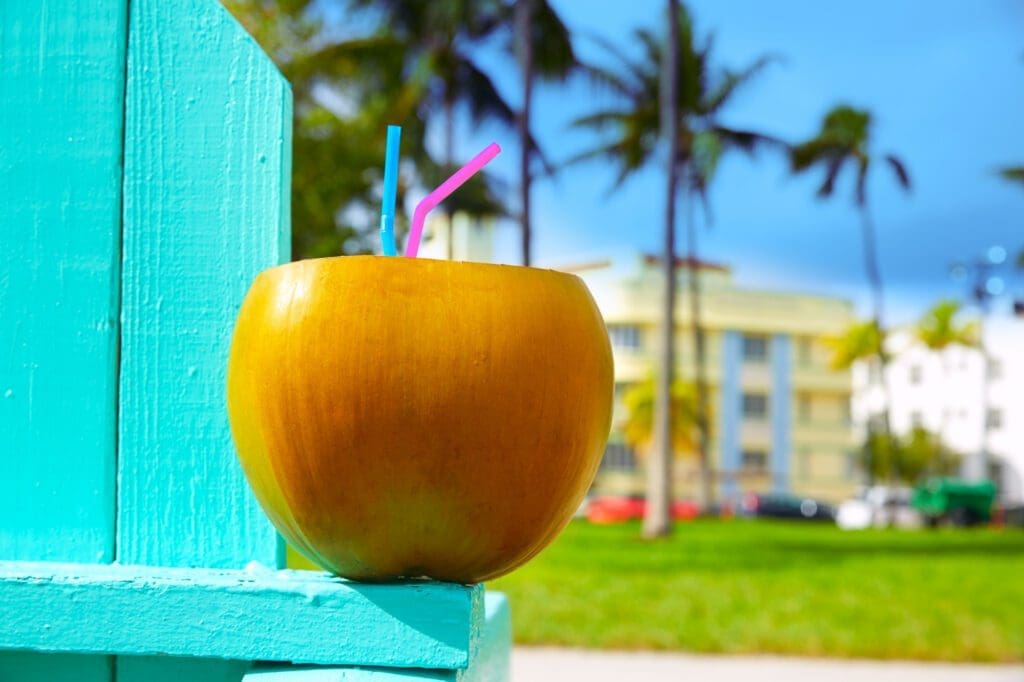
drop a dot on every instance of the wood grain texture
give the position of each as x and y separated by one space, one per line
489 659
247 615
207 173
61 98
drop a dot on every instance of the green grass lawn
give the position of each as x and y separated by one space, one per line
775 587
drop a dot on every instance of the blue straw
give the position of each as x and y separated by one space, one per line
387 208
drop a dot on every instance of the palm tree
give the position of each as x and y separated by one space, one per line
438 69
543 48
639 425
938 330
865 342
657 513
630 134
844 140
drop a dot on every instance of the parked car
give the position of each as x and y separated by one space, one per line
879 506
618 508
786 506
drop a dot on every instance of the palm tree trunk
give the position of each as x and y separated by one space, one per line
871 266
877 313
700 360
524 45
449 166
657 517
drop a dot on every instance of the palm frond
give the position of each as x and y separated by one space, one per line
832 168
603 78
600 121
748 140
553 53
480 94
628 154
814 152
900 170
635 69
732 81
1015 174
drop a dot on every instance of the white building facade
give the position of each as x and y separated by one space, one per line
949 394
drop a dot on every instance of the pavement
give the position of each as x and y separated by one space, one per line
567 665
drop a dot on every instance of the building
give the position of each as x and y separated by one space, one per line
972 409
780 416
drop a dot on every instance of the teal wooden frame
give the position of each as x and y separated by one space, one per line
144 182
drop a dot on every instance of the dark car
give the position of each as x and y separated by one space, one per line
786 506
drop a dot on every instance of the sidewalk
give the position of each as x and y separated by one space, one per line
568 665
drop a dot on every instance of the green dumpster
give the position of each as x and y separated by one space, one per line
960 502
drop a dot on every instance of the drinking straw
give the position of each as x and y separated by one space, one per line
387 206
442 192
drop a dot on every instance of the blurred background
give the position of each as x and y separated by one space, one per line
806 235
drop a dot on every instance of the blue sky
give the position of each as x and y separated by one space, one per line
944 79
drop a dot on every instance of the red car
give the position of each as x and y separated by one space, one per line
617 509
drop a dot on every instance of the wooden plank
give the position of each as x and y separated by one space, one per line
30 666
489 660
347 674
492 656
175 669
207 174
62 89
247 615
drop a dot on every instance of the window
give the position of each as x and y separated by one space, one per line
915 374
755 460
994 418
805 351
755 348
618 457
755 405
624 335
803 407
995 370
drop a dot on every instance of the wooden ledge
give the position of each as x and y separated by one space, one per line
256 614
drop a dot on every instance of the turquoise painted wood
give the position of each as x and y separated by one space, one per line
206 179
489 659
254 614
61 110
124 265
30 666
174 669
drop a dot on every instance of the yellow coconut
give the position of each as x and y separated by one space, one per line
410 417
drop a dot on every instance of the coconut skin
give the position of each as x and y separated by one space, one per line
402 417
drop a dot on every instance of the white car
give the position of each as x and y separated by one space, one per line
879 507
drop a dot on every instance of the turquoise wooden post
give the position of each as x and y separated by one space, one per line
144 169
60 203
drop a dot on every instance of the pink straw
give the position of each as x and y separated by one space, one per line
442 192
